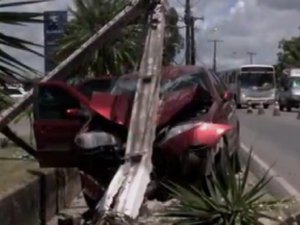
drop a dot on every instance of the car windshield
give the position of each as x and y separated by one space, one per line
260 80
126 85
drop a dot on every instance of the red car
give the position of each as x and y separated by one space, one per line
86 125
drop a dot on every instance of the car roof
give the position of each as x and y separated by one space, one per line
172 72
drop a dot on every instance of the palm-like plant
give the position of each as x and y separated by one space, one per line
236 204
119 53
9 65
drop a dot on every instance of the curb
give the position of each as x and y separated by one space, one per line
278 186
42 197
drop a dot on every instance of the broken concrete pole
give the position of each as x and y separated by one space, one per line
129 185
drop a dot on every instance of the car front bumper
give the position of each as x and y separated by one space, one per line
266 101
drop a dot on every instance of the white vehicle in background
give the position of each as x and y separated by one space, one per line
289 91
254 84
15 92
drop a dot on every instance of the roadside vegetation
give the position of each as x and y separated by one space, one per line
122 51
289 53
10 66
233 204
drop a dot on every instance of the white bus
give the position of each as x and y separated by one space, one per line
254 84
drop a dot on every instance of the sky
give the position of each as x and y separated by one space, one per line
242 25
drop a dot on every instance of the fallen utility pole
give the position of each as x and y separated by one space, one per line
128 14
126 192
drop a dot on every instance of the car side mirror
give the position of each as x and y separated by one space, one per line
227 96
73 113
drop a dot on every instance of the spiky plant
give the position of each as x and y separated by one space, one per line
236 204
9 65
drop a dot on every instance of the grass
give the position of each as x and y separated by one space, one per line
14 169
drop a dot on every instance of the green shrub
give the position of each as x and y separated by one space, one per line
236 204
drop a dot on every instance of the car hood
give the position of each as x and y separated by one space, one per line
116 108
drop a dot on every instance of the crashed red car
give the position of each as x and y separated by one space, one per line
86 125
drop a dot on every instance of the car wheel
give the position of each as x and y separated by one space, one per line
87 186
91 203
266 106
281 107
288 108
238 106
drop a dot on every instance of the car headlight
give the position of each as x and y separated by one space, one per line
243 95
273 95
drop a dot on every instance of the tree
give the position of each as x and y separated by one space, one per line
120 53
9 65
289 54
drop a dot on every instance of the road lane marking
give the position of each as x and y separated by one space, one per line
285 185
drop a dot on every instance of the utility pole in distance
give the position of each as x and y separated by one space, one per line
193 41
188 21
215 41
251 54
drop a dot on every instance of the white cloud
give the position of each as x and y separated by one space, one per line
255 25
244 25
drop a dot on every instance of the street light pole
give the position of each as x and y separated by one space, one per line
187 20
215 42
190 51
251 54
193 41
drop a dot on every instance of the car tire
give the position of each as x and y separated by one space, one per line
288 108
266 106
238 106
91 203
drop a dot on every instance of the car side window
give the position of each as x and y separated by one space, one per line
183 82
89 87
53 101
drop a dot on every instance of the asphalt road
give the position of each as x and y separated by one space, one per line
276 140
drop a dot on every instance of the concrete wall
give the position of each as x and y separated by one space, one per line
47 193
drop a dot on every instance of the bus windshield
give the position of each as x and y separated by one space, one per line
260 80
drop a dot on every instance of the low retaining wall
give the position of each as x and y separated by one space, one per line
37 201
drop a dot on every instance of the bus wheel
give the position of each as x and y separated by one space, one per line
281 107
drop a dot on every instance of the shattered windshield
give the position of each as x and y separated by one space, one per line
260 80
126 85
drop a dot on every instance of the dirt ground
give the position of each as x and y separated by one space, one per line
13 167
13 161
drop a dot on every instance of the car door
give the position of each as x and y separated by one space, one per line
226 113
54 130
